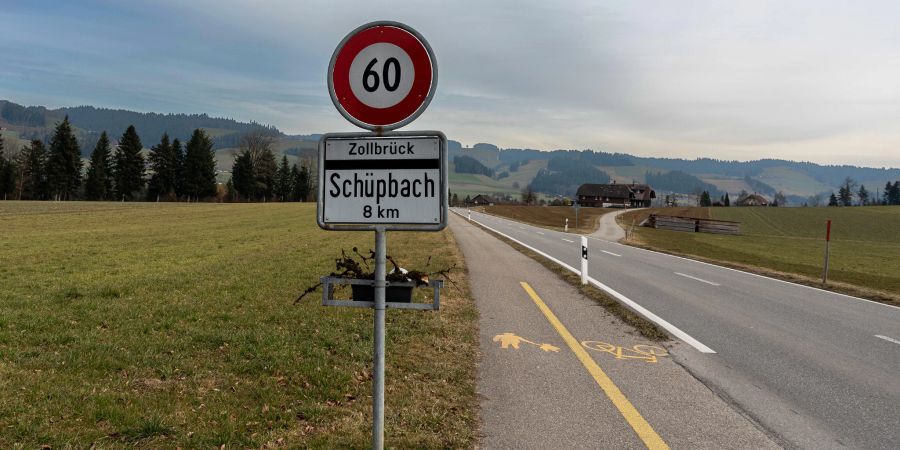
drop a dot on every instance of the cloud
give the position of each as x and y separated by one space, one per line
734 80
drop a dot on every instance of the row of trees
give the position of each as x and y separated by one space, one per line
55 171
39 172
176 172
255 176
849 195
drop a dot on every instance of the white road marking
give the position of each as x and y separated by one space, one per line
750 273
887 339
611 253
539 232
698 279
686 338
738 271
522 228
568 240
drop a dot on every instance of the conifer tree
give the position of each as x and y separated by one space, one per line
832 201
229 191
283 181
98 183
302 184
199 166
704 199
32 162
265 170
7 169
727 201
242 176
178 154
845 193
164 162
129 165
863 195
892 193
295 184
63 163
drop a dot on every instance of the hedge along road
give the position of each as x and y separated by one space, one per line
809 365
559 371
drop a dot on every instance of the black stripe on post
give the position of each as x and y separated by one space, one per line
382 164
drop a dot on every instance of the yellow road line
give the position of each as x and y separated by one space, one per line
629 412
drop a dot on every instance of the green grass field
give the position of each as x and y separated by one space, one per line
865 246
172 325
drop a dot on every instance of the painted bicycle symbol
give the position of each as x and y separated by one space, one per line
648 353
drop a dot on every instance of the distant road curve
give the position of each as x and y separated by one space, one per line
608 229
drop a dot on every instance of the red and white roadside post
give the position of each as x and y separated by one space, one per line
827 241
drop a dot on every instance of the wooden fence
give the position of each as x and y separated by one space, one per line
690 224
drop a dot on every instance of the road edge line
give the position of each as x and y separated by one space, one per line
704 263
637 422
686 338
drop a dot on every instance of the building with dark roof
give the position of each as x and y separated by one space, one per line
752 200
482 199
615 195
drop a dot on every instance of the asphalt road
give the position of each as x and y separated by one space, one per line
539 392
815 368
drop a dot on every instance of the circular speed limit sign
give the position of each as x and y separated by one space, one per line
382 75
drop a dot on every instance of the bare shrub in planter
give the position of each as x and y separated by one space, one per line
347 266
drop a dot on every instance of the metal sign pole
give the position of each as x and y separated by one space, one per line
378 376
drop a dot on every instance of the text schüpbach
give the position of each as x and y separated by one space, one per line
366 186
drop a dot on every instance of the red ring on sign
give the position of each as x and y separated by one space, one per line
418 93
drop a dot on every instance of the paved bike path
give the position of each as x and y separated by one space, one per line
544 395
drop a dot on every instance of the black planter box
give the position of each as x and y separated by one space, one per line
396 294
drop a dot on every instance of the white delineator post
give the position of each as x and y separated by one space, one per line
567 224
469 215
584 261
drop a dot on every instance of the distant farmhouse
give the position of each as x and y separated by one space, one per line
483 200
615 195
752 200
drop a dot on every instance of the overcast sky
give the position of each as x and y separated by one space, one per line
803 80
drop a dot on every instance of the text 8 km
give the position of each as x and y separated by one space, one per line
382 213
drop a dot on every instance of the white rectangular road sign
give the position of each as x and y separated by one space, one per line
397 180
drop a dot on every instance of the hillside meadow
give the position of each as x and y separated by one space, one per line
142 325
865 243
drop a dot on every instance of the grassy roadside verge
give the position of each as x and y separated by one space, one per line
786 243
646 328
172 325
552 217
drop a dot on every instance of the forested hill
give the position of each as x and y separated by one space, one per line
36 122
504 170
797 180
153 124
